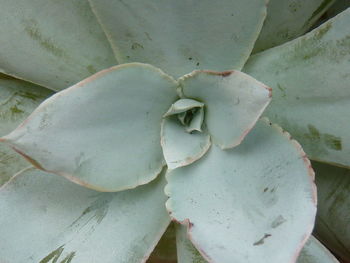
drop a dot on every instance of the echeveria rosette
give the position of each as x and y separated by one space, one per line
70 46
103 149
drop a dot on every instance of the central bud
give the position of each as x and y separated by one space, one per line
189 112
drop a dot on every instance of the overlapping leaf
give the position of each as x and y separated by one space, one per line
104 132
17 100
52 43
310 81
288 19
45 218
240 204
179 36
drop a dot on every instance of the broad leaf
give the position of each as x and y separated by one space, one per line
52 43
178 36
17 100
104 132
312 252
288 19
333 214
45 218
243 203
233 103
315 252
180 147
310 80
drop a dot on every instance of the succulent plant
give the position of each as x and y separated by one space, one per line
160 116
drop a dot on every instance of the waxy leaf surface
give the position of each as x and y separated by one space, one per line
45 218
179 36
180 147
17 100
288 19
51 43
311 96
233 103
240 204
312 252
333 213
104 132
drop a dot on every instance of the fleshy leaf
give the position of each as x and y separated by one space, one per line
233 103
186 252
289 19
333 214
312 252
17 100
310 80
178 36
183 105
52 43
240 204
315 252
180 147
103 132
45 218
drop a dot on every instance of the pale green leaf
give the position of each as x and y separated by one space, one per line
288 19
186 252
315 252
51 43
311 96
17 100
333 214
233 103
178 36
183 105
180 147
103 132
243 203
45 218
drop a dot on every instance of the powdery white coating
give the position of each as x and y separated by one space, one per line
183 105
178 36
310 80
53 218
243 203
104 132
52 43
233 103
181 148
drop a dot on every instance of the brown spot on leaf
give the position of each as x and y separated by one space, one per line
262 240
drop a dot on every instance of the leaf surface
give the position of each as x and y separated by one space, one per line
240 204
311 96
180 147
45 218
178 36
104 132
51 43
315 252
17 100
233 103
289 19
333 214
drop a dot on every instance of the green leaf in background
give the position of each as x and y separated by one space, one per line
52 43
333 214
310 81
55 220
17 100
288 19
179 36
